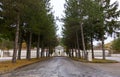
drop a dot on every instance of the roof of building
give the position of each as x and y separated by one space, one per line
59 47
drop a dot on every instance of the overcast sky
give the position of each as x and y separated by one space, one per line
58 8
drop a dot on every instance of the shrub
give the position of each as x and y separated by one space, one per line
116 45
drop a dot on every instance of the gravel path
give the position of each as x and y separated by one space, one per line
60 67
112 68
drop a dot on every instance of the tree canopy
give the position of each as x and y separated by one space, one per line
89 20
30 21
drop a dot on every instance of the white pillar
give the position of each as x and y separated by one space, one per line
89 56
1 54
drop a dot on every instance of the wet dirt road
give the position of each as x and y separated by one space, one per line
59 67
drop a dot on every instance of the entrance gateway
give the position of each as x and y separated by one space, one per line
59 51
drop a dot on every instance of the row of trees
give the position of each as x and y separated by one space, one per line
86 21
29 21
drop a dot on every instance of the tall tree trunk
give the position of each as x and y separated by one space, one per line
42 50
79 54
103 48
72 52
83 42
47 53
29 46
92 47
20 47
76 55
38 46
49 50
67 51
16 40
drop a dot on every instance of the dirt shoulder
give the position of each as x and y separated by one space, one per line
8 66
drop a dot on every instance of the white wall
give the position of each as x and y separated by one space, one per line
115 55
97 53
23 53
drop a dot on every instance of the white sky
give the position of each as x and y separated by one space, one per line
58 8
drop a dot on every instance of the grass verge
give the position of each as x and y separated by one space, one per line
96 61
8 66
